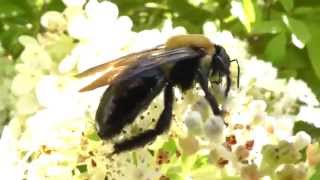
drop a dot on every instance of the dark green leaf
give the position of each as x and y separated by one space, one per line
188 14
272 27
276 48
311 79
10 10
82 168
295 59
313 131
288 73
313 50
298 28
287 4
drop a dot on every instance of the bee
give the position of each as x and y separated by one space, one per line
136 79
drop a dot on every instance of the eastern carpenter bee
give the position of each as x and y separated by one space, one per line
136 79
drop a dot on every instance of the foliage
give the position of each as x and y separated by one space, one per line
284 32
20 17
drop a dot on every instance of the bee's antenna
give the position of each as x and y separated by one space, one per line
238 78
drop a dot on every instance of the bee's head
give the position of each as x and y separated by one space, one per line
220 61
220 65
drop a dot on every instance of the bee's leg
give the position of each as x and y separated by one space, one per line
203 81
219 79
228 86
162 125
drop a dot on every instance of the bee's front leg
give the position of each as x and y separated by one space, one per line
203 81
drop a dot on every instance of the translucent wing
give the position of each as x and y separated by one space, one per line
113 68
144 63
167 57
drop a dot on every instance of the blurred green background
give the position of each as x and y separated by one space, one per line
284 32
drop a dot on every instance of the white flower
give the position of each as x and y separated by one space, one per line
213 128
310 115
194 122
301 140
298 89
53 20
34 56
23 84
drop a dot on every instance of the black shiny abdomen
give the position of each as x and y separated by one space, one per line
130 95
124 100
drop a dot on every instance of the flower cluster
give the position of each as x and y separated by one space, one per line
52 134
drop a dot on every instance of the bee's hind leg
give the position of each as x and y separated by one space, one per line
162 125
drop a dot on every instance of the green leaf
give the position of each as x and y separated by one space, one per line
311 79
298 28
272 27
10 9
316 175
287 73
287 4
82 168
313 50
249 12
93 136
200 162
295 59
185 14
313 131
173 173
170 146
276 48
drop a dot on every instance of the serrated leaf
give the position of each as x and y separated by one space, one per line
313 131
272 27
287 4
249 12
276 48
298 28
313 50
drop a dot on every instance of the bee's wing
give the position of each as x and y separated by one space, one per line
166 57
144 63
114 68
119 62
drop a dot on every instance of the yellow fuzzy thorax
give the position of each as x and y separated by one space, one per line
192 40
